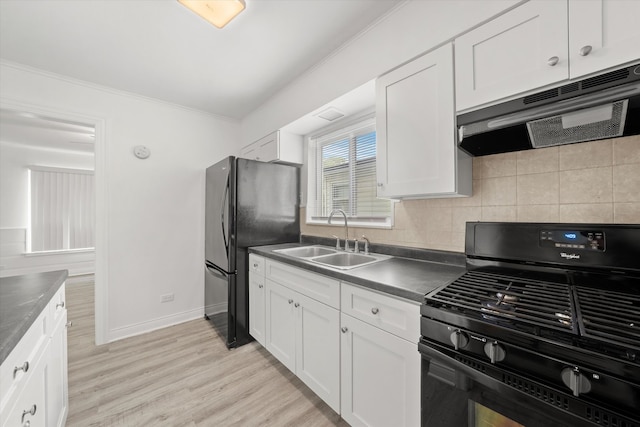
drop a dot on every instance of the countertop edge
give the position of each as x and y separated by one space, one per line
11 341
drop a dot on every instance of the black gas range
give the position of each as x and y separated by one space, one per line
543 328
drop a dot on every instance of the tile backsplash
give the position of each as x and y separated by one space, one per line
596 182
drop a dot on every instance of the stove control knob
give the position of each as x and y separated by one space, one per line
576 381
459 339
494 351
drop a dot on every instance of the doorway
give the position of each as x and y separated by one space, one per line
34 139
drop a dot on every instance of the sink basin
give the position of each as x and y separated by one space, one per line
345 260
306 251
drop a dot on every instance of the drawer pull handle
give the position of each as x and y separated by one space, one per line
30 411
24 368
60 304
553 61
375 310
344 329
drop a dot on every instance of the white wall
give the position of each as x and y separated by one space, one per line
14 162
153 209
410 30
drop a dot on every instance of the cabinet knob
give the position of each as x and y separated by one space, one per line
586 50
380 184
255 265
69 324
553 61
344 329
296 305
290 301
30 411
375 310
260 286
24 368
60 305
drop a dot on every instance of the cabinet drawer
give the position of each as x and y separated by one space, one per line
316 286
57 306
256 265
397 316
23 357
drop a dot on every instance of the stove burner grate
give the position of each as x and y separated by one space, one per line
515 299
610 316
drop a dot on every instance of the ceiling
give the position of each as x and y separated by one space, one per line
162 50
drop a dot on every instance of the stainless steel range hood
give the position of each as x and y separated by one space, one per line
604 106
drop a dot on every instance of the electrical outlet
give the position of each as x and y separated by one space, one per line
166 298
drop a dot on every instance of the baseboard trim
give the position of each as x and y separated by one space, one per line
154 324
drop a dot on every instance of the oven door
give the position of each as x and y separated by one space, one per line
455 394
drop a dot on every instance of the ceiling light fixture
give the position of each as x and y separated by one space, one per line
217 12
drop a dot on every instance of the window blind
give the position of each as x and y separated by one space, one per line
345 175
62 209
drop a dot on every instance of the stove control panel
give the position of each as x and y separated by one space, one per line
573 239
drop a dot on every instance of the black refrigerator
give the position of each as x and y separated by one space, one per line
248 203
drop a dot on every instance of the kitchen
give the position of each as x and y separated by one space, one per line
131 192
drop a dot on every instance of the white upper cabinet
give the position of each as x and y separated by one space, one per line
603 34
520 50
415 124
278 146
542 43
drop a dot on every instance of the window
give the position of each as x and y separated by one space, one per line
342 175
62 208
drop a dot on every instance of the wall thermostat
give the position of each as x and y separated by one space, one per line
141 151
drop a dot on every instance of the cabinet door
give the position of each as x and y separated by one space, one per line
30 406
280 331
416 146
257 320
602 34
318 349
57 388
380 377
523 49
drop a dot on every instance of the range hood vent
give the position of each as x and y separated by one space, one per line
604 106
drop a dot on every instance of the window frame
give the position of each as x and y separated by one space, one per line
314 188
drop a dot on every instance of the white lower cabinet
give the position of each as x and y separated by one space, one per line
354 347
30 406
380 362
33 377
380 377
302 332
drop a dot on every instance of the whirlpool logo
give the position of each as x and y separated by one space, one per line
569 256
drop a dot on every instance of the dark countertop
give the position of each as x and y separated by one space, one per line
402 277
22 299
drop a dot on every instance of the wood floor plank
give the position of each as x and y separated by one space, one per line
179 376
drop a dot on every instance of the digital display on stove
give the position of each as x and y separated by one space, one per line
573 239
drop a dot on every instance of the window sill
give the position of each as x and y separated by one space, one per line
339 223
61 252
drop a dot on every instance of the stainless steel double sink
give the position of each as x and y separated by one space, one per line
333 258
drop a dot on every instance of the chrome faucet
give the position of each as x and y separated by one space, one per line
366 244
346 226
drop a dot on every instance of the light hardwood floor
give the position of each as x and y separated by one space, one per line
179 376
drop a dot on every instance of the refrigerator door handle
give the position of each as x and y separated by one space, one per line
215 269
224 231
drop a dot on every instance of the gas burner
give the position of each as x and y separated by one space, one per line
506 298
